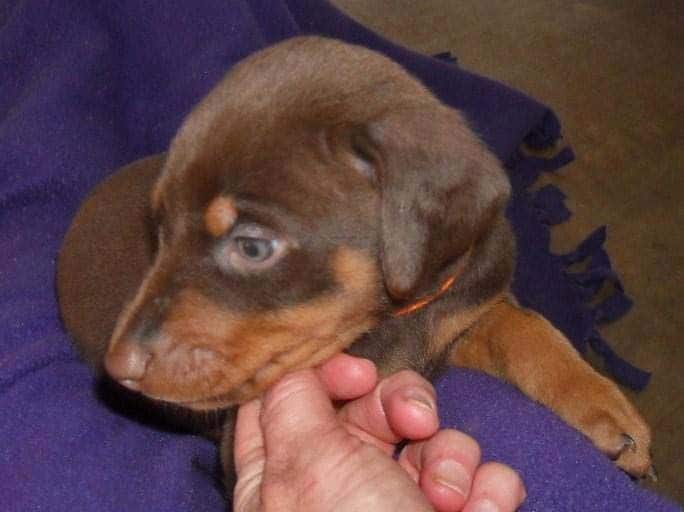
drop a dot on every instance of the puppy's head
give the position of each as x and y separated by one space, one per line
315 186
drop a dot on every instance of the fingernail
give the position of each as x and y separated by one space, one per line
483 505
453 475
421 401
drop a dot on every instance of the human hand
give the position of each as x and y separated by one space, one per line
295 451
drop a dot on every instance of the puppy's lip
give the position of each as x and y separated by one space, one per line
209 403
206 404
252 384
240 392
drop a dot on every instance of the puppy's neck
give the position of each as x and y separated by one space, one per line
421 334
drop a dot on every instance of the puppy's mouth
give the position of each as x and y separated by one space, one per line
306 355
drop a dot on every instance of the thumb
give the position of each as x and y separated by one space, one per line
289 415
295 411
249 456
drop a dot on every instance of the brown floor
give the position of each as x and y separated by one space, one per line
613 70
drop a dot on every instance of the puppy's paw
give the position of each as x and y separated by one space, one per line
613 424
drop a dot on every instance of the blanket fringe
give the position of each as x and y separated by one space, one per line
597 274
550 208
446 57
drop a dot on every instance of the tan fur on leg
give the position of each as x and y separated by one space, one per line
523 348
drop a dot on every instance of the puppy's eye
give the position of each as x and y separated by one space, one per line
256 249
250 248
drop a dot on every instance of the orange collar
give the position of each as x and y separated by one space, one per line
443 288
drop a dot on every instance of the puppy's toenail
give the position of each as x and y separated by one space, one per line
628 443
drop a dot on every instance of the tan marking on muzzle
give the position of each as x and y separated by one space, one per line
210 356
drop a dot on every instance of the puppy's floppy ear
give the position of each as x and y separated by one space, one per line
441 190
105 254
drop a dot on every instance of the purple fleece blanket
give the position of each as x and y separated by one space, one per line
87 86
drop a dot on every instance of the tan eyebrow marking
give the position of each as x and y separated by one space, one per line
220 216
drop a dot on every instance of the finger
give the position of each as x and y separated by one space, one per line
402 406
444 466
347 377
249 457
496 488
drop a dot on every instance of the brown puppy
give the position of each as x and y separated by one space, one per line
320 199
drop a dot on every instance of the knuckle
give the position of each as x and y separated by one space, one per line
463 441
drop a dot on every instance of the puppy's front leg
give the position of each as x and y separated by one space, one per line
523 348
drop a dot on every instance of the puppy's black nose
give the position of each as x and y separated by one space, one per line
126 362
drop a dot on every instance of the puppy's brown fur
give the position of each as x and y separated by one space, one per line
379 193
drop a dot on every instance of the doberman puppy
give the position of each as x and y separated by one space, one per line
319 199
